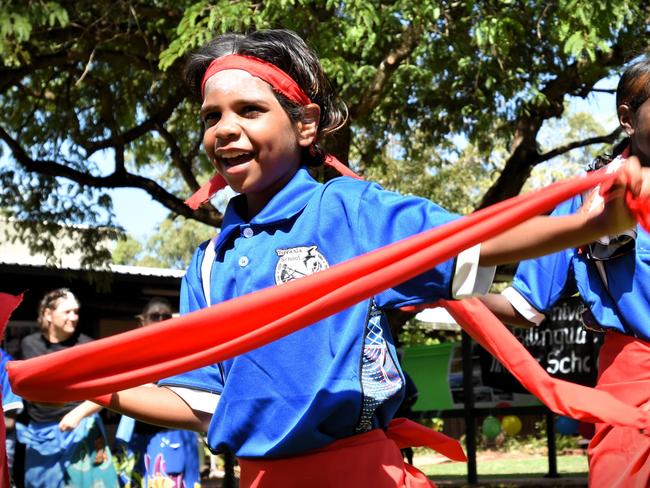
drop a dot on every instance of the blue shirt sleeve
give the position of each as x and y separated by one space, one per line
543 281
208 378
386 217
10 401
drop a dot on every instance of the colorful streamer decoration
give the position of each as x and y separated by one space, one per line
233 327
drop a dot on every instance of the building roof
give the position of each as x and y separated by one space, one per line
18 253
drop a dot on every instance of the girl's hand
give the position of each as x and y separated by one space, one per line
70 421
615 216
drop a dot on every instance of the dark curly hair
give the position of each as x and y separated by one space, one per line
289 52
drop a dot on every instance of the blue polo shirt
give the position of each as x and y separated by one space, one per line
337 377
623 305
10 401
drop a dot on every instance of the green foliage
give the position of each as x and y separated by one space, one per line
586 26
170 247
126 251
56 218
416 333
17 21
442 95
202 21
449 175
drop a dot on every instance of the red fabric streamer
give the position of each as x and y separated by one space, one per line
562 397
8 304
332 162
233 327
406 433
206 192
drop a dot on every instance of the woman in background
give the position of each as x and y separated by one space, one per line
65 443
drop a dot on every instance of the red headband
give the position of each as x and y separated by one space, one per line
280 81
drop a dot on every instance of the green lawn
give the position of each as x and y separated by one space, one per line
575 465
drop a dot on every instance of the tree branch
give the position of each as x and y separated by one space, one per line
183 164
114 180
408 42
608 138
604 90
155 120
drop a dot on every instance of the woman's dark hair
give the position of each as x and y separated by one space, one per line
50 301
286 50
634 86
154 303
633 90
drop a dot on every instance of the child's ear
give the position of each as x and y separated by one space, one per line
626 118
308 125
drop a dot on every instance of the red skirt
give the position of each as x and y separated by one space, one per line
620 456
370 459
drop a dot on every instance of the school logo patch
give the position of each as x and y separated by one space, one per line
298 262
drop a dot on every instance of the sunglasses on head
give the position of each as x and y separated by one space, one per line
158 316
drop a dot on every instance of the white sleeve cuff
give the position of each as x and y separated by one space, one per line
12 406
522 306
203 401
470 279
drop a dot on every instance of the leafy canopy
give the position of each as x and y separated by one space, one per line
94 99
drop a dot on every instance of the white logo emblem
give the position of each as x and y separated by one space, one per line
298 262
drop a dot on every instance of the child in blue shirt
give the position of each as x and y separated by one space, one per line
12 404
335 385
612 276
146 454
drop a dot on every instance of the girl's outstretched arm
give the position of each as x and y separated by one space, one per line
504 311
71 420
539 236
159 406
546 235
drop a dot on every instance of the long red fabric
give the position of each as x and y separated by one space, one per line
236 326
8 304
575 401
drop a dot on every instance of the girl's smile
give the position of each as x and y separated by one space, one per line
249 137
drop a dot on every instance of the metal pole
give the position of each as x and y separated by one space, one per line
552 450
470 418
229 480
